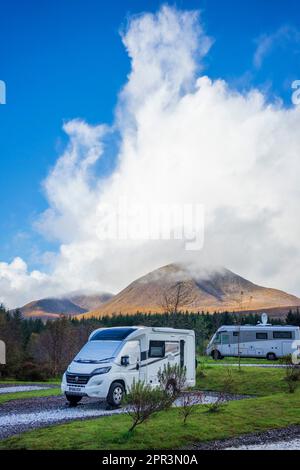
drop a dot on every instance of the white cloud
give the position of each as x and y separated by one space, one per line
268 42
19 286
184 139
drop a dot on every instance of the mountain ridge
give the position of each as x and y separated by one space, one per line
71 305
205 290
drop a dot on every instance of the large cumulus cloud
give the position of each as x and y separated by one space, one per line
183 139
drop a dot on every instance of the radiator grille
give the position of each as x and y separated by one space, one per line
78 379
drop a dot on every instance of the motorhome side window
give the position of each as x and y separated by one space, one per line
282 335
157 349
261 335
171 347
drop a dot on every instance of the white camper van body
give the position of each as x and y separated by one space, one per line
122 355
261 340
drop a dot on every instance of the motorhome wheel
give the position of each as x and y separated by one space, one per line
216 355
115 394
171 389
271 357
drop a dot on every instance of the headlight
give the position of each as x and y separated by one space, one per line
101 370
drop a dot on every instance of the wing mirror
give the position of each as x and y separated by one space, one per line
125 361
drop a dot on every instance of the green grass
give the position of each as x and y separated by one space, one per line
30 382
5 397
248 380
272 407
165 430
234 360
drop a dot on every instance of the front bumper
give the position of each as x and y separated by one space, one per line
97 387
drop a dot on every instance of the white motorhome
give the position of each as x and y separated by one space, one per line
262 340
113 358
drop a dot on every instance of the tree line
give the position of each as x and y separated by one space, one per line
39 350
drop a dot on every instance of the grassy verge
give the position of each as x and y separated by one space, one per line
165 430
248 381
27 382
5 397
235 360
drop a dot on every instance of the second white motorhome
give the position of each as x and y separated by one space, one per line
261 340
113 358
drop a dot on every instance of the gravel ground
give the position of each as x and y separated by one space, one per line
20 415
276 439
294 444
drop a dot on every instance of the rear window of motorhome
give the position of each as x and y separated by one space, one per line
112 335
282 335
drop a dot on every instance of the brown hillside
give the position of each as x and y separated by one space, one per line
208 291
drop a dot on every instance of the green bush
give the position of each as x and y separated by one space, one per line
143 402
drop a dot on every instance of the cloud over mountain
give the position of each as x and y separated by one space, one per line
183 138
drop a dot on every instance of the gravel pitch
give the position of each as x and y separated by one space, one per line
281 445
20 415
275 439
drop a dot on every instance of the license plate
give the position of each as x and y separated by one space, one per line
76 389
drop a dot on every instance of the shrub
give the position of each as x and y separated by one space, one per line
218 404
188 404
143 402
222 401
172 378
292 373
201 370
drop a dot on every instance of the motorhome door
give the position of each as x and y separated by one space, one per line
226 346
161 353
132 349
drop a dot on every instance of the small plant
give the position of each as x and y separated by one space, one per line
143 402
188 404
228 381
292 373
227 386
218 404
172 379
201 370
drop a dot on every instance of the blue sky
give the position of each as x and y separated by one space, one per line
65 59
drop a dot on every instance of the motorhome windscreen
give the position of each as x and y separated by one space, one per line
95 352
118 334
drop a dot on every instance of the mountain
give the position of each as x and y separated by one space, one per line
195 290
90 302
51 308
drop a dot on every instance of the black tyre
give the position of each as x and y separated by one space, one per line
171 388
116 394
216 355
73 399
271 356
